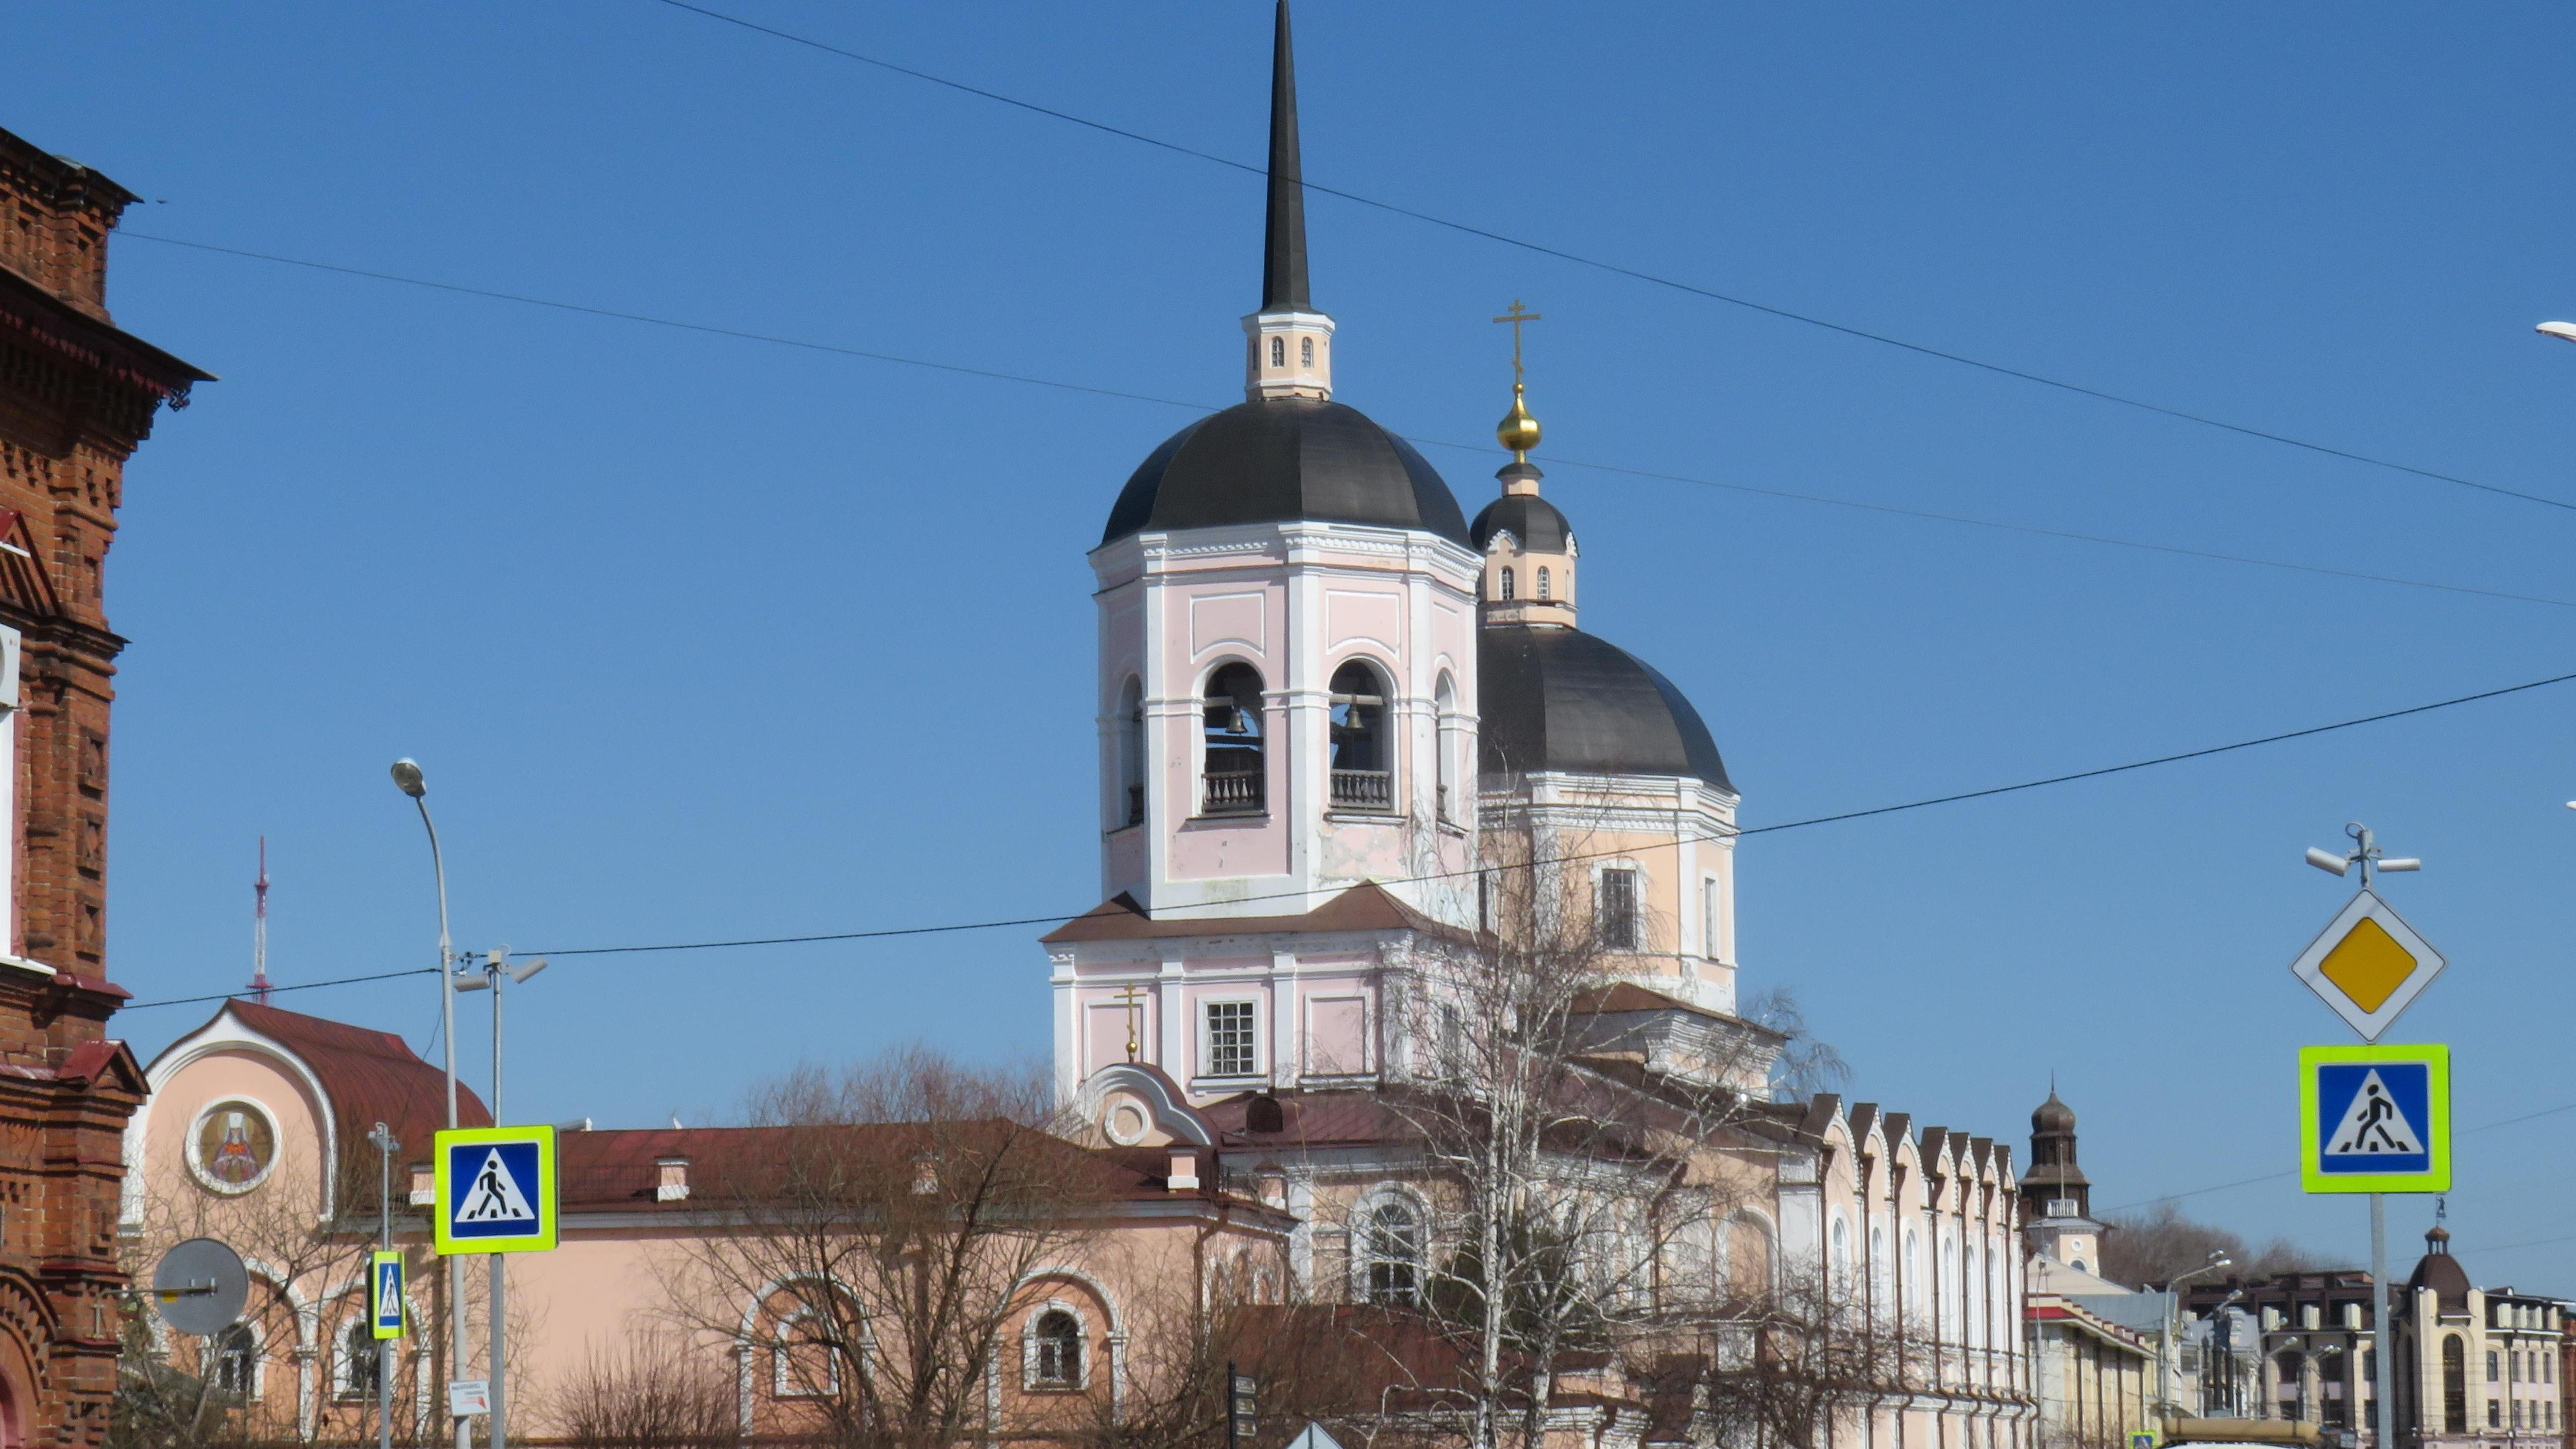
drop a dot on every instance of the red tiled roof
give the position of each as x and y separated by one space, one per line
370 1076
1364 907
620 1170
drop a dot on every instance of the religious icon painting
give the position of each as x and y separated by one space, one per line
234 1146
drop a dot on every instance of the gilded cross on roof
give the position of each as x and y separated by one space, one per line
1516 317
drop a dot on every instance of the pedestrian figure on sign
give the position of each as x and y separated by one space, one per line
2374 1119
493 1202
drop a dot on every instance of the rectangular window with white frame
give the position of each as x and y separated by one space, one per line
1615 908
1712 917
1229 1049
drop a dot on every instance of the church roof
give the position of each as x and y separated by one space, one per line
1525 516
1367 906
2441 1272
1560 699
1275 460
370 1076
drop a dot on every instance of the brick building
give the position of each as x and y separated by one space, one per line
76 396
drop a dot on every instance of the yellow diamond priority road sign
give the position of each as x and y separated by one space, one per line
2368 964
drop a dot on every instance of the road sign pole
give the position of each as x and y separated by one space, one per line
383 1137
498 1434
2384 1370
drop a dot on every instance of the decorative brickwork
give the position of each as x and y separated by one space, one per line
76 397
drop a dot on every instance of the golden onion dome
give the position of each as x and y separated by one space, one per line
1518 431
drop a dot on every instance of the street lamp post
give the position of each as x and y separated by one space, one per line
496 967
2218 1260
407 778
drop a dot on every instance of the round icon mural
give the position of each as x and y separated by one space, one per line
234 1146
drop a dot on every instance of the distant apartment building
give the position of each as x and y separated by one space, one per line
2476 1368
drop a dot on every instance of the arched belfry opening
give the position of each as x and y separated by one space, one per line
1233 770
1362 765
1131 753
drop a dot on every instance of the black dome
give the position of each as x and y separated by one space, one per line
1560 699
2053 1115
1525 516
1277 459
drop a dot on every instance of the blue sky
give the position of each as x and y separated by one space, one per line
705 638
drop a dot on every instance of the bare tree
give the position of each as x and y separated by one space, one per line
658 1391
883 1223
1580 1143
1797 1356
2159 1244
297 1241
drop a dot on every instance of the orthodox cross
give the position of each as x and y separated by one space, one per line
1516 317
1132 997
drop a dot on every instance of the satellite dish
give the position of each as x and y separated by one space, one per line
200 1287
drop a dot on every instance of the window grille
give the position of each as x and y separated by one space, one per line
1059 1351
1229 1039
1618 909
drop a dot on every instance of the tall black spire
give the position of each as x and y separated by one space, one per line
1283 257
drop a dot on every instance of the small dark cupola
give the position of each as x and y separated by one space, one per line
1528 546
2053 1186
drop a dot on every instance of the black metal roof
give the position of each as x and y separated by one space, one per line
1553 698
1273 460
1525 516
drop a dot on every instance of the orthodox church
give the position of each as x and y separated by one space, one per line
1342 728
1337 721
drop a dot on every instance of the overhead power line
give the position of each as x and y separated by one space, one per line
741 334
1054 917
2293 1172
1636 274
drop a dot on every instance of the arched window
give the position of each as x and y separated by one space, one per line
1444 708
1507 586
1305 351
1131 752
1391 1250
2455 1385
802 1363
1913 1272
1233 733
1278 352
1972 1303
236 1361
1542 582
1055 1351
1841 1252
1361 779
355 1374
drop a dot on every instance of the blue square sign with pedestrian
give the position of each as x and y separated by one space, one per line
495 1189
2375 1118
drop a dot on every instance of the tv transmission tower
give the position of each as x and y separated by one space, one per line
259 929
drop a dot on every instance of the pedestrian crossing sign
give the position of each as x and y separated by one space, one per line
2375 1118
495 1190
385 1294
